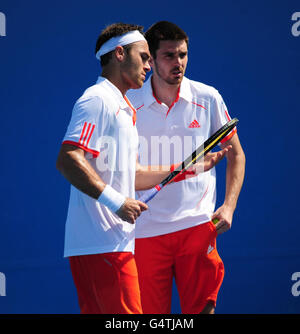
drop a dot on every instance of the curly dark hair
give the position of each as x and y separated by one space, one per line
113 30
164 31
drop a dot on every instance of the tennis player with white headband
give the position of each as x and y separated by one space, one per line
111 44
100 236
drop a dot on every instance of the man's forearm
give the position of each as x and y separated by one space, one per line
147 177
77 170
234 179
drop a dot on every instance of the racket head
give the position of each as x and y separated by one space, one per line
203 149
215 139
209 144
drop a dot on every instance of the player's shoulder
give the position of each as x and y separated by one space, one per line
100 95
97 92
201 89
94 100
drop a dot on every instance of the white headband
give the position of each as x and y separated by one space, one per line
111 44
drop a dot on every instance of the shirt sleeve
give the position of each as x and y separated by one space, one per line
220 116
88 124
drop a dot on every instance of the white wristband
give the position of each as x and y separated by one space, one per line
111 198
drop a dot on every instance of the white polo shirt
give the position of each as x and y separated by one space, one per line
103 125
168 136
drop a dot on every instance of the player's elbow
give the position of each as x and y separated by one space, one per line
240 162
237 155
241 157
63 160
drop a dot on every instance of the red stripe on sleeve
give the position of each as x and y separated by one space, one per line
82 132
87 143
86 134
69 142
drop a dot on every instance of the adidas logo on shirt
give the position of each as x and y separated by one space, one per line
194 124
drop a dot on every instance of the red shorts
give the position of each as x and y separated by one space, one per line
107 283
189 255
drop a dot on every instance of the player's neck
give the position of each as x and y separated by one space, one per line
116 80
163 91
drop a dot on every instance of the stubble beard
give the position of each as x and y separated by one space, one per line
167 79
131 74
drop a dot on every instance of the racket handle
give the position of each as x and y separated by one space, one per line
150 194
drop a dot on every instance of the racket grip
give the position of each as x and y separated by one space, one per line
150 194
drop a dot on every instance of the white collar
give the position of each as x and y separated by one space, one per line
184 92
123 104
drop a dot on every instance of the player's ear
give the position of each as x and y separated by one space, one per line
119 53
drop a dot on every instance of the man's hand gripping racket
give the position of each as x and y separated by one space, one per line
199 153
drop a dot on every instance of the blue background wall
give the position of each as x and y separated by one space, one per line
243 48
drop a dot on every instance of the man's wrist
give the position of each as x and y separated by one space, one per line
111 198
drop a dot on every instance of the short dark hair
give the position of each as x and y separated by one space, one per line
164 31
113 30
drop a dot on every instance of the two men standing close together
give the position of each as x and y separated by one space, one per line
124 253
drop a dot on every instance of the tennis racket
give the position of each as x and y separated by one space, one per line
199 153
